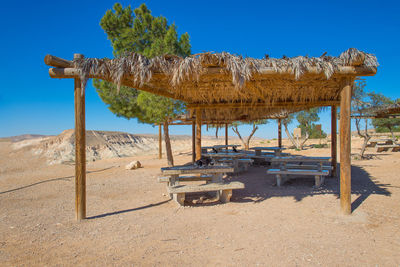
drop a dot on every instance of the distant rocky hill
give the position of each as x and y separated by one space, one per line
99 145
22 137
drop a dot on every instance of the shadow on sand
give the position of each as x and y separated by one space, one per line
67 178
259 186
128 210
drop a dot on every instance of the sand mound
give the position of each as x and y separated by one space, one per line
99 145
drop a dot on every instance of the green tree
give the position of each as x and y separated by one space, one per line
384 124
161 110
142 33
307 119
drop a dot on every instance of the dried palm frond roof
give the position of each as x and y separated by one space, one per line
210 80
140 69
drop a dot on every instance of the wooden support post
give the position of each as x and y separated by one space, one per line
334 141
159 141
193 141
198 133
345 147
279 133
226 134
80 149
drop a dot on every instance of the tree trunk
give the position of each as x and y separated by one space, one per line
391 131
216 132
168 149
236 131
246 143
290 136
365 136
304 141
364 146
255 128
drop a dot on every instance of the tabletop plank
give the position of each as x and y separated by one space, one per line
224 155
301 159
267 148
191 169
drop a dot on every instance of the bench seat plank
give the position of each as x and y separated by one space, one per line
304 166
298 172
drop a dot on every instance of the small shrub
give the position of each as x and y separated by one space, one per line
320 145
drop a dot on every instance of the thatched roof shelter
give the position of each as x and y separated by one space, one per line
225 81
222 87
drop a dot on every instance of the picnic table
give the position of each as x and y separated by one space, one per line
383 147
301 166
233 157
382 141
211 174
276 150
220 147
204 149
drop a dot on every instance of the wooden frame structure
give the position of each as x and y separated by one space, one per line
222 87
384 111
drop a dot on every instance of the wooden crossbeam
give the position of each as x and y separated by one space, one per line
343 70
263 105
57 62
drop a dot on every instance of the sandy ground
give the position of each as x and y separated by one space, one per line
132 222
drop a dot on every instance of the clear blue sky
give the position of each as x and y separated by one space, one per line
31 102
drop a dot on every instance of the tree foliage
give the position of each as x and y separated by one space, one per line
144 34
140 32
307 119
158 109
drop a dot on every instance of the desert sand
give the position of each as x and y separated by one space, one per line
132 222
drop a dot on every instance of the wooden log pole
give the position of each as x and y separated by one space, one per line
279 133
80 149
226 134
345 147
193 141
57 62
334 140
159 141
198 133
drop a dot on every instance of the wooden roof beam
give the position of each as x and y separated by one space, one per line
67 73
264 105
57 62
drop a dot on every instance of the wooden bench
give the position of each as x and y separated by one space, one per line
166 179
224 190
318 174
377 142
178 191
382 148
